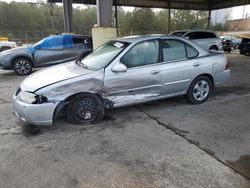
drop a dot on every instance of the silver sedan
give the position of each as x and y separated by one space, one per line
121 72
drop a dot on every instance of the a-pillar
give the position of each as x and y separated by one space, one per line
67 13
104 31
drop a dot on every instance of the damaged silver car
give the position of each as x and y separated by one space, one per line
121 72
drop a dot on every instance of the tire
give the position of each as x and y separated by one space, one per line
215 48
85 109
22 66
3 48
236 46
199 90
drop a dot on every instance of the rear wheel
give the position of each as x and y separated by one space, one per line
22 66
85 109
199 90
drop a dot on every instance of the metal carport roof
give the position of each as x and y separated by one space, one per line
172 4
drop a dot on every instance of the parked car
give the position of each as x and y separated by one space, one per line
207 39
18 42
235 41
227 45
121 72
6 45
49 51
245 46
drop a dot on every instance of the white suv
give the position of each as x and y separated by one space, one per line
207 39
7 45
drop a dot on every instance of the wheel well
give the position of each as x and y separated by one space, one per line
208 76
60 109
76 94
18 57
5 48
214 46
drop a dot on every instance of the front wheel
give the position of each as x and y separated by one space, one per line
85 109
199 90
247 53
22 66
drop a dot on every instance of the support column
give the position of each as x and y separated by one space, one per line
104 13
209 13
209 19
169 17
104 30
169 20
116 17
67 12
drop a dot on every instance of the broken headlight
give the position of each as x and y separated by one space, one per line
32 98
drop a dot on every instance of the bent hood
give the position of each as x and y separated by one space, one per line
52 75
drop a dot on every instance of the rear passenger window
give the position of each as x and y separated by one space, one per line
191 52
173 50
201 35
78 40
209 35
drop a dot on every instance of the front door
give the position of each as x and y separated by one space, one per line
50 52
141 81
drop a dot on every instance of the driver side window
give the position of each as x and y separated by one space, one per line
144 53
53 44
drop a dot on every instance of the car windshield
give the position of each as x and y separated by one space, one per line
39 42
103 55
179 33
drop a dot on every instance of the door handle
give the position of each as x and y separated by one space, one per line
197 64
155 72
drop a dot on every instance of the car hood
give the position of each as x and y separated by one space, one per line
52 75
18 50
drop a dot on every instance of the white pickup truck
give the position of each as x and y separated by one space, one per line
7 45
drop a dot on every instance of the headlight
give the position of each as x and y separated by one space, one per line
5 54
32 98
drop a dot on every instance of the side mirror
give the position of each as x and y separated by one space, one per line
119 67
38 47
187 37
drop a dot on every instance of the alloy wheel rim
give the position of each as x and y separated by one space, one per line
201 90
22 67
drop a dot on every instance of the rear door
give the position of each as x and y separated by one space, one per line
179 66
203 38
198 37
78 47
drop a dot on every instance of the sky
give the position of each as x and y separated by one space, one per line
235 12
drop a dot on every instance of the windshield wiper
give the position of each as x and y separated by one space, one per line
81 64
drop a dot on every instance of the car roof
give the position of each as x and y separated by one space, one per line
70 35
194 30
139 38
